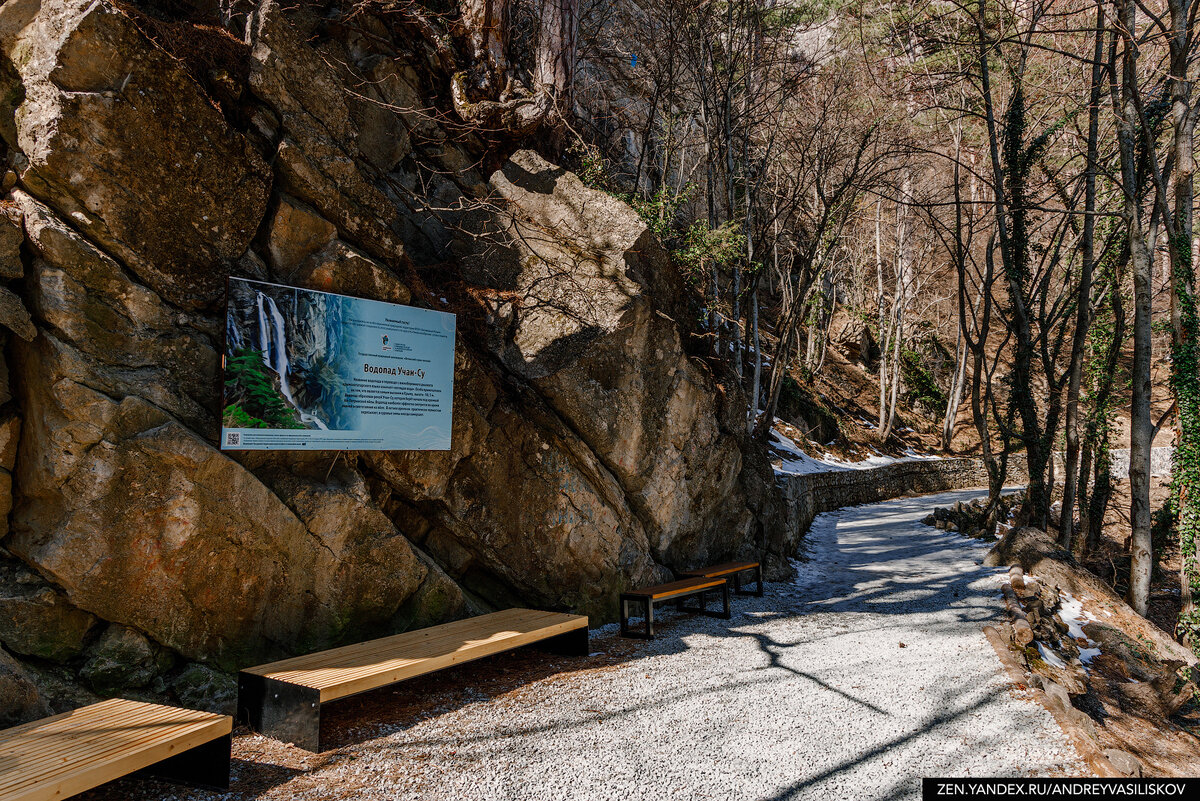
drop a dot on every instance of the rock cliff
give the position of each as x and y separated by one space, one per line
148 157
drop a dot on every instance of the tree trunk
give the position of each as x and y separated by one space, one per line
558 29
1185 360
1141 259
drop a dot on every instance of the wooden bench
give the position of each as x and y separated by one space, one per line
283 699
732 571
67 754
676 591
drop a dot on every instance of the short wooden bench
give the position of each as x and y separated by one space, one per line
676 591
60 756
732 571
283 699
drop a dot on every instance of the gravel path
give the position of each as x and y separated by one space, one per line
867 673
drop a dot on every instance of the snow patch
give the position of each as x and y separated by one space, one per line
795 462
1072 613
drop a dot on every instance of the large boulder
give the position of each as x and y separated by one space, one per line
200 687
318 157
567 539
116 136
110 332
117 491
590 452
144 523
36 619
121 657
580 261
593 283
19 697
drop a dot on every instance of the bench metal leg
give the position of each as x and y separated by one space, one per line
647 607
739 589
574 642
702 604
204 766
280 710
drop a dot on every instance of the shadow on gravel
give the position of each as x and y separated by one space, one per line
896 742
260 764
773 651
872 565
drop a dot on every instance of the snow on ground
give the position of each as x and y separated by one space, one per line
795 462
1072 613
866 673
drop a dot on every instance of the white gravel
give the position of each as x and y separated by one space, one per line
806 693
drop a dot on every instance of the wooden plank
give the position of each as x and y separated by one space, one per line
111 760
426 640
681 587
63 741
462 630
391 671
724 569
66 754
99 740
103 721
352 669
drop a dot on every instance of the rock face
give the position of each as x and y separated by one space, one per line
120 140
590 451
19 698
37 620
121 658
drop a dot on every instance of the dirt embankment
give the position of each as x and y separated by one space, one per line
1115 680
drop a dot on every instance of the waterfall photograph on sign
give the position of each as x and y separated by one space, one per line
310 370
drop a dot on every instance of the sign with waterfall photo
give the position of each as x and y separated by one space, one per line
309 370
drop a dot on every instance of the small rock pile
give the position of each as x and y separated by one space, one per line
1035 608
1077 661
974 519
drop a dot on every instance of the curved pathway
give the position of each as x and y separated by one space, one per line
866 673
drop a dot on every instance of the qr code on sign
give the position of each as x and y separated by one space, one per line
233 438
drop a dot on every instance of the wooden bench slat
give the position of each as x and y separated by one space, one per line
723 569
432 637
283 699
63 741
85 763
426 643
66 754
50 733
94 746
459 629
676 587
117 763
356 668
58 744
335 684
435 643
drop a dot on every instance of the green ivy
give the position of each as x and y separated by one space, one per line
1185 475
922 386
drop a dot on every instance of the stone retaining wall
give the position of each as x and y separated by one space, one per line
1160 461
810 495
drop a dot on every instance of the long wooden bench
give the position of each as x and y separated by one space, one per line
283 699
677 591
60 756
732 571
